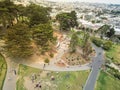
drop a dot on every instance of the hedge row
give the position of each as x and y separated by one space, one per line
106 45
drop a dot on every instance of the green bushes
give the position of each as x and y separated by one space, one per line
47 60
106 45
51 55
98 42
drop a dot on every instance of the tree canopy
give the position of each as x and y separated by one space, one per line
74 42
80 39
33 13
43 35
32 26
8 12
67 20
37 14
18 41
106 31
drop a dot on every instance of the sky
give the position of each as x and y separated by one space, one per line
92 1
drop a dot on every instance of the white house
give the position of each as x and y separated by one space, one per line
117 31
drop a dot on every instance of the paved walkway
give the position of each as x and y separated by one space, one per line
57 68
11 77
96 65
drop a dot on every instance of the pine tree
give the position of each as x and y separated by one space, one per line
18 41
43 35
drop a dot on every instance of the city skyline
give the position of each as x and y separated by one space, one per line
91 1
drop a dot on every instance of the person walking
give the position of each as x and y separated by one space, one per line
15 72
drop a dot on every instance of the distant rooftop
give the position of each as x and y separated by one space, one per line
117 31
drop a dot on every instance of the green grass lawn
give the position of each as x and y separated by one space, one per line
107 82
115 53
3 69
63 80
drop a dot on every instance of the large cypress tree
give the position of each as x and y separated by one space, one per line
37 14
67 20
8 12
43 35
18 41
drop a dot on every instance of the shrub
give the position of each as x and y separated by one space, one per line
46 60
51 55
98 42
107 45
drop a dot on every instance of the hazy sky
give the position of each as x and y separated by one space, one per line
98 1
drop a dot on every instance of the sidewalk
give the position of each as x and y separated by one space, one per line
11 77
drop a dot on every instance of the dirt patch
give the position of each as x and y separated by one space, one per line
43 74
58 35
74 59
60 64
37 57
93 53
29 85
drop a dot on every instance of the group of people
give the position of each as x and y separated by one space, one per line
38 85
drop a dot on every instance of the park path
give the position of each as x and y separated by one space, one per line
11 77
96 65
57 68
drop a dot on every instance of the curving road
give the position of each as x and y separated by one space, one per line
95 66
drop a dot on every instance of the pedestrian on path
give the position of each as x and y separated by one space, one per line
44 66
15 72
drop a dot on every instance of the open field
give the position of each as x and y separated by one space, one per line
50 80
114 53
3 69
107 82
